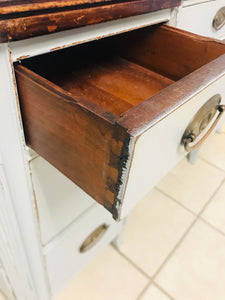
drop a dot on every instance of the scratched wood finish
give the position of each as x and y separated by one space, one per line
25 19
11 6
91 137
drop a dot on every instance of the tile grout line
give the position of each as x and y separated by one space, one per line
177 202
212 226
186 233
185 207
158 286
211 164
207 203
174 248
144 290
162 290
132 263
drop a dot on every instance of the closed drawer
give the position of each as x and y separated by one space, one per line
207 19
111 114
58 200
75 247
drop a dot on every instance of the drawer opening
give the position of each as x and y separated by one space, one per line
120 72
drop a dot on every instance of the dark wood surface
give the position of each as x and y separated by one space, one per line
17 6
81 106
24 19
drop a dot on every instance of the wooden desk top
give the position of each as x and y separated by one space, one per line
21 19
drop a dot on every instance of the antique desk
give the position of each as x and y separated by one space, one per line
99 100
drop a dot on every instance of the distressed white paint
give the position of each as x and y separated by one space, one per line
158 149
44 44
198 19
63 257
59 200
11 249
20 205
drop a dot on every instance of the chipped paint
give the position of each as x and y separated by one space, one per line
23 57
126 159
15 91
57 48
52 28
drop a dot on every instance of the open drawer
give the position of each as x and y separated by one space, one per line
111 114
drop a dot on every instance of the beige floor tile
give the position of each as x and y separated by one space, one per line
153 293
215 211
109 276
192 185
153 229
2 296
213 150
197 268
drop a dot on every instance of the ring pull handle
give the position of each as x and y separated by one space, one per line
93 238
219 19
189 140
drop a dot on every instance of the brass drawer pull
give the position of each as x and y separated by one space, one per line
219 19
93 238
201 120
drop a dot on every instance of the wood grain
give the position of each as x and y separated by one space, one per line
115 84
169 51
18 24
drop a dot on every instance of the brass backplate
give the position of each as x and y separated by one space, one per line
203 117
93 238
219 19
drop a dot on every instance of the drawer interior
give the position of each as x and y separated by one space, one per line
120 72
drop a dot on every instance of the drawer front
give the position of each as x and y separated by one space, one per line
158 149
75 247
58 200
199 19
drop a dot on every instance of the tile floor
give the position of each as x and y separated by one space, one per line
2 296
174 242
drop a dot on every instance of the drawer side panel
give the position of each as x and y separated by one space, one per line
79 143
